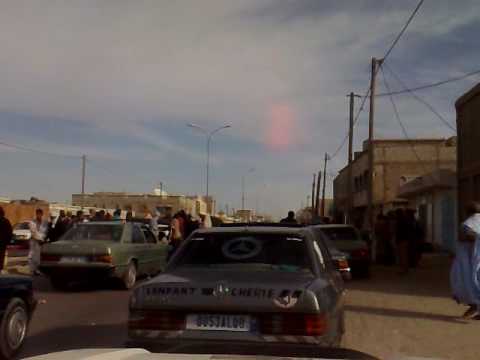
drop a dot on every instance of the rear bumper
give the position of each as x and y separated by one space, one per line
78 272
280 349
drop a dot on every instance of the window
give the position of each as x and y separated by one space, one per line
92 231
278 252
149 236
341 233
137 236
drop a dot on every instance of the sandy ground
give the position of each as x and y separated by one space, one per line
391 315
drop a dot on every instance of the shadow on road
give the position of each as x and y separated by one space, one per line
404 313
75 337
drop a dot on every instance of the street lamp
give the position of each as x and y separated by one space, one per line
209 139
251 170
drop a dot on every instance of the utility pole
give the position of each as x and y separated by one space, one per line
322 211
313 196
317 195
371 118
350 157
84 160
243 192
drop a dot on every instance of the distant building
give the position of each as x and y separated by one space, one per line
166 205
468 131
395 163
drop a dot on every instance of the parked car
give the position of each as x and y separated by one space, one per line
348 239
250 287
20 242
17 304
99 250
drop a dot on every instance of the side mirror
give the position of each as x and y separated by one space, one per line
342 266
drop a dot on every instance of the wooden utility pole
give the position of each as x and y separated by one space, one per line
322 211
371 118
313 196
317 195
350 157
84 160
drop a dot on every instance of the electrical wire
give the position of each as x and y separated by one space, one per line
402 126
429 86
424 102
387 53
24 148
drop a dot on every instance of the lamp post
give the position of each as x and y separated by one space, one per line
209 135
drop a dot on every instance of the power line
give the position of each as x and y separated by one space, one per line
394 43
402 126
429 86
24 148
424 102
400 34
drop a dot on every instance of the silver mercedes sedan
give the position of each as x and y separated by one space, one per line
242 287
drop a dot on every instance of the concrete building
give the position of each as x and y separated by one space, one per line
395 163
166 205
434 196
468 131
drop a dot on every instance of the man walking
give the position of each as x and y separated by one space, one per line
465 272
39 229
5 236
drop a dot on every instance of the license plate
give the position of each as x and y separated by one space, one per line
218 322
73 259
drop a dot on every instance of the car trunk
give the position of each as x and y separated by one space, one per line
78 248
231 291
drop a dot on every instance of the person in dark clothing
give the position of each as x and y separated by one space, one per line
415 239
61 226
402 234
383 240
190 226
6 233
290 219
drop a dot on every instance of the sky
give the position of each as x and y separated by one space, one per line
119 81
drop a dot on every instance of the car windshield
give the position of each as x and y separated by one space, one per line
341 233
247 251
101 232
22 226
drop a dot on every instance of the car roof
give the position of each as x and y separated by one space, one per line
253 229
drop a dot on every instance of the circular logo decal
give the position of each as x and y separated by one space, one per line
241 248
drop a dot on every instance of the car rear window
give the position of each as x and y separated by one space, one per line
22 226
248 251
340 233
100 232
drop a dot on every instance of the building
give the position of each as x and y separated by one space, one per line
166 205
395 163
468 131
434 195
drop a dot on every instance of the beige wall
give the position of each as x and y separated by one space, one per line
393 159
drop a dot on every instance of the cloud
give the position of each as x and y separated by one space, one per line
127 76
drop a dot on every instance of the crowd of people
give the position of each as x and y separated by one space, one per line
399 238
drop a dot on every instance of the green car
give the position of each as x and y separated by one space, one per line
99 250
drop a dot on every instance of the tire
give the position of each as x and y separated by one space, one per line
59 283
13 328
130 277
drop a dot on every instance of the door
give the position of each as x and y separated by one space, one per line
156 252
139 249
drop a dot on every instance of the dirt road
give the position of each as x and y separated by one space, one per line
414 315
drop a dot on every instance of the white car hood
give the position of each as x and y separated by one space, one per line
141 354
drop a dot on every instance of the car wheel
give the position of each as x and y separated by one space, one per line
13 328
59 283
130 276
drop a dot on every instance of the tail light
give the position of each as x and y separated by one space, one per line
342 265
49 257
360 253
293 324
156 320
102 259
